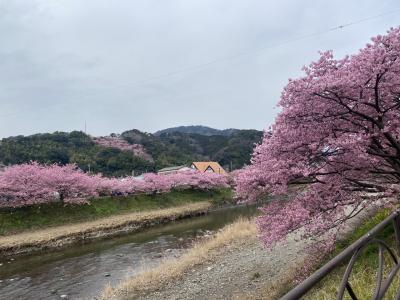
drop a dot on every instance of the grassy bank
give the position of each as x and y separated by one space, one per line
363 278
49 215
172 270
59 236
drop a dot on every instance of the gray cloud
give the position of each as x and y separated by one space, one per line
112 63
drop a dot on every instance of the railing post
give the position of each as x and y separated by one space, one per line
396 225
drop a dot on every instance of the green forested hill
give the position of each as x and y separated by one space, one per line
174 148
75 147
167 149
198 129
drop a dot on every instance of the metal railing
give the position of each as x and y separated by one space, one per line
351 254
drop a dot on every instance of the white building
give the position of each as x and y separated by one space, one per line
173 170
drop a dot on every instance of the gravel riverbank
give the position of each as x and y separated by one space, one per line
238 267
244 271
231 264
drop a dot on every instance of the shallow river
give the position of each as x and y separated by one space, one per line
82 271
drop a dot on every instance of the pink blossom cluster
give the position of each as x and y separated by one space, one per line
153 183
33 183
119 143
338 135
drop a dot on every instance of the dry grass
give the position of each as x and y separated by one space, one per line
60 235
171 270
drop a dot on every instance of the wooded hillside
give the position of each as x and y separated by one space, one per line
165 149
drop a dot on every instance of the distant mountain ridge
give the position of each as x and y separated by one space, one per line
197 129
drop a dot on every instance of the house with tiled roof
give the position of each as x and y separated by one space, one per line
208 166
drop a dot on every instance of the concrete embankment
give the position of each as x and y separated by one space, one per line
56 237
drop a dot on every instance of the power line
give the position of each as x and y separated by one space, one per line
237 55
249 52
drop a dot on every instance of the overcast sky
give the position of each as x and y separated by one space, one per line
153 64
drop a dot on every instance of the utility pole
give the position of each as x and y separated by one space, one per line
89 168
85 126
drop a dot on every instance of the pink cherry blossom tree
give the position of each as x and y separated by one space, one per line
69 182
19 186
339 132
33 183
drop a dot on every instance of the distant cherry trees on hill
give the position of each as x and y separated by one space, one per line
119 143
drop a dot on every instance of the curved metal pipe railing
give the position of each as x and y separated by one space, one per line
351 254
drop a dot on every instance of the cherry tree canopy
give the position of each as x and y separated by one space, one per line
33 183
339 128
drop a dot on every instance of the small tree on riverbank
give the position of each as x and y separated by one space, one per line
33 183
340 129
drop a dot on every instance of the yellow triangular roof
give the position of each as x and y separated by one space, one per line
202 166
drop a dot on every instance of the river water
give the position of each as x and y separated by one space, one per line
82 271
